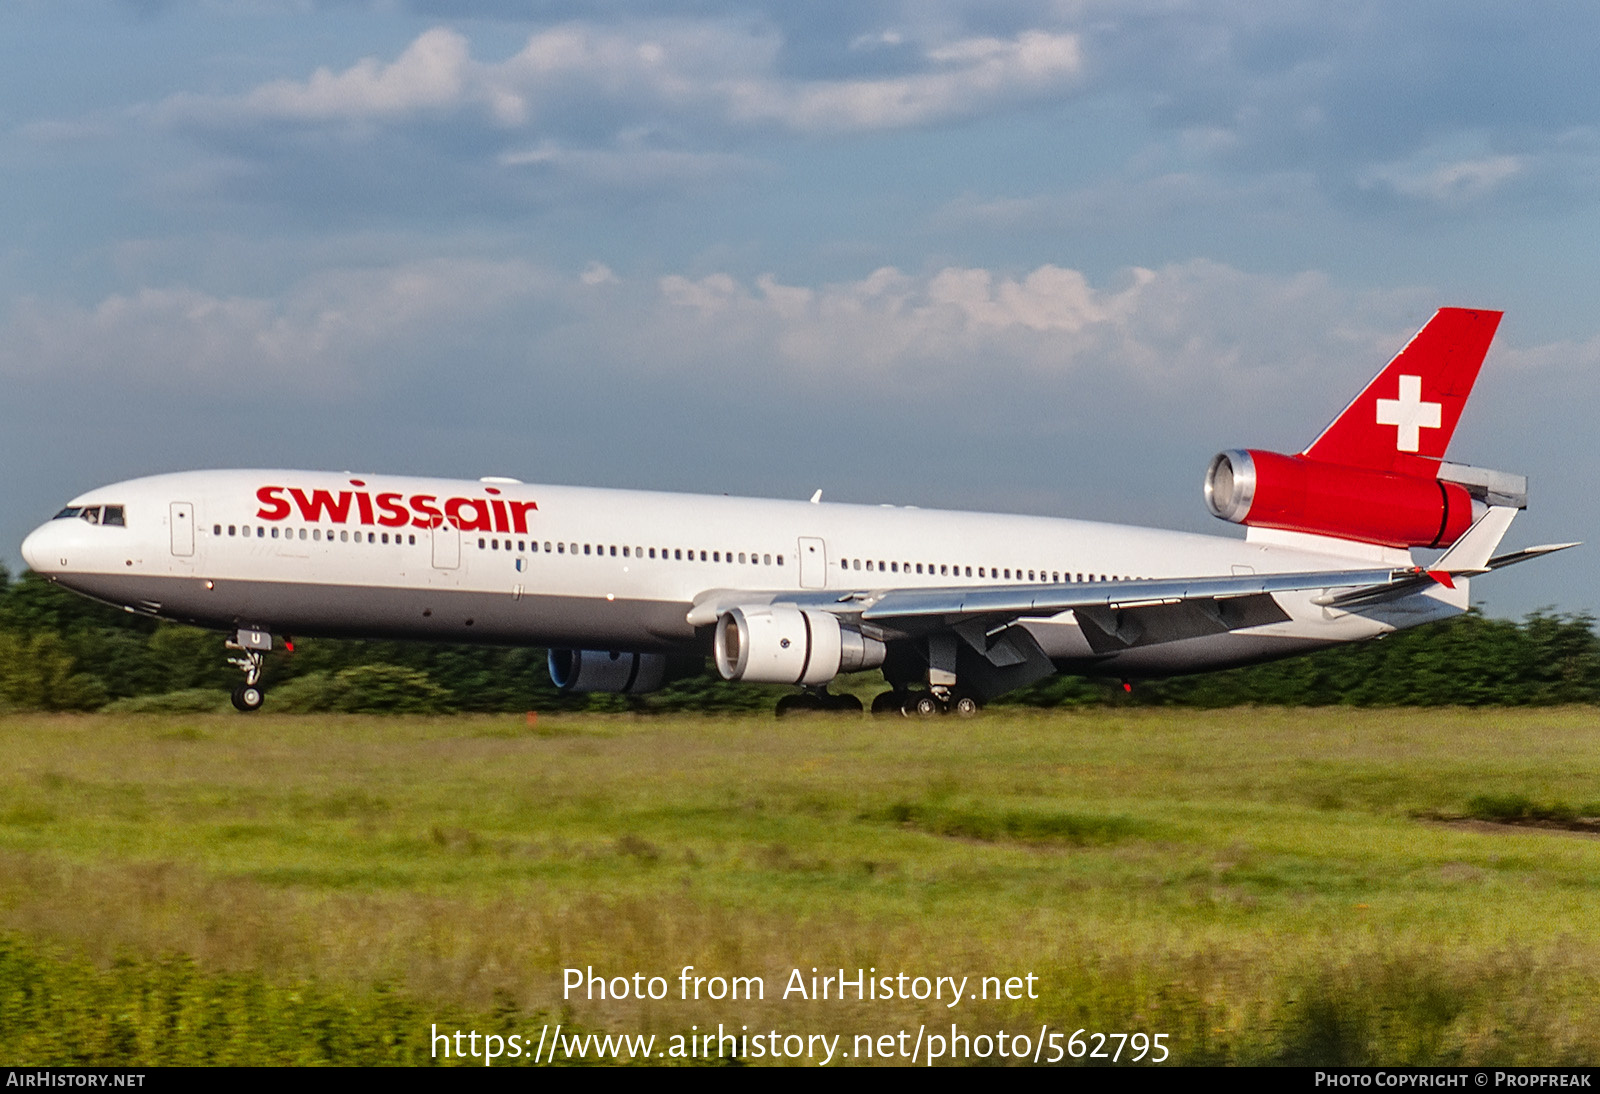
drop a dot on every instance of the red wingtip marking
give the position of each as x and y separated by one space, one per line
1442 577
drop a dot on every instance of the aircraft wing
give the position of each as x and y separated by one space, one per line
1114 615
1038 601
1118 615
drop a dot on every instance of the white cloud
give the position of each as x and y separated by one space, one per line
1048 299
327 333
1189 335
1223 91
598 273
1574 359
966 77
431 74
631 167
882 39
696 72
1195 326
1452 182
1124 203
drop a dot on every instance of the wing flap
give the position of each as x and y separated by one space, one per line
1109 629
1042 601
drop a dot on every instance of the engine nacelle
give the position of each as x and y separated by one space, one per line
1296 494
790 646
602 670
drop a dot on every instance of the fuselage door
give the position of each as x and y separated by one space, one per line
446 547
182 520
813 563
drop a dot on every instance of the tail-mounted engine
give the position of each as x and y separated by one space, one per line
790 646
603 670
1297 494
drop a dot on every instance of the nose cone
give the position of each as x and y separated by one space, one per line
38 552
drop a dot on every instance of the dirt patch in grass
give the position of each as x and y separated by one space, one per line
1011 825
1588 827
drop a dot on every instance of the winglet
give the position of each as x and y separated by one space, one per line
1472 551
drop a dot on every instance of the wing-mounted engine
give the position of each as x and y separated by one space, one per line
607 670
1298 494
786 645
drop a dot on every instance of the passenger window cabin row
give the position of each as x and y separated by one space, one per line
316 534
672 554
992 573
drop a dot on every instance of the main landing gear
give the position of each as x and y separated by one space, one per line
818 699
922 681
253 647
927 704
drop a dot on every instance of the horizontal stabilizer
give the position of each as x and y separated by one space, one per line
1502 561
1467 562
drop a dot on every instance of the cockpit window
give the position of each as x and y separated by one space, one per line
95 514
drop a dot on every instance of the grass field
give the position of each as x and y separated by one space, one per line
1260 885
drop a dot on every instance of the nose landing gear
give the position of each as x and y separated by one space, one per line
253 646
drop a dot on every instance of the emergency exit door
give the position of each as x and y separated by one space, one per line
181 517
446 547
813 563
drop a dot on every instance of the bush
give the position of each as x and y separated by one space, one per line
37 674
1518 807
187 701
387 689
313 693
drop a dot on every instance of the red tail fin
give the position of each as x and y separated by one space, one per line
1402 421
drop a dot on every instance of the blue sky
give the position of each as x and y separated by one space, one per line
1045 257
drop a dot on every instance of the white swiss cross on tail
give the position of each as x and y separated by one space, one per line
1423 390
1409 414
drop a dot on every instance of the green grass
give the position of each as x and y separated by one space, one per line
1262 885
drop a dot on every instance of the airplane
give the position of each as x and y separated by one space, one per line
629 589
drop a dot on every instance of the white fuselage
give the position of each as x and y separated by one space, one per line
298 552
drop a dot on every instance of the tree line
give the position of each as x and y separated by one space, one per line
59 651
